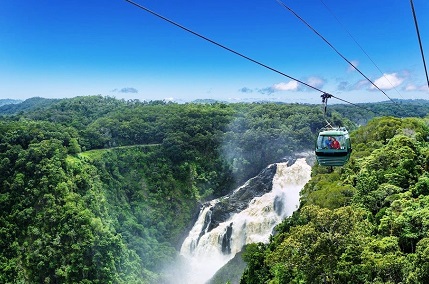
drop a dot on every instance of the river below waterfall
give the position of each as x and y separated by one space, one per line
210 245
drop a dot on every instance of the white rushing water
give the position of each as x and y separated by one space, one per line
203 250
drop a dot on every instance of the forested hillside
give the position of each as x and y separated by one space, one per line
14 106
99 190
366 222
361 113
8 102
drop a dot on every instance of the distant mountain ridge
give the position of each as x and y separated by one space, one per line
9 102
9 106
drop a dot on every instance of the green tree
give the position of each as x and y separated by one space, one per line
312 252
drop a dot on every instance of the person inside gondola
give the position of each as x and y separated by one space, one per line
335 144
328 142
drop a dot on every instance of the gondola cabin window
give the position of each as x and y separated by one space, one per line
333 147
326 142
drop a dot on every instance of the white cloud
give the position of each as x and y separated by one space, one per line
290 86
388 81
410 87
267 91
125 90
343 85
355 63
246 90
316 82
424 88
359 85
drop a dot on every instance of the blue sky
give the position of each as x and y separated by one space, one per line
58 49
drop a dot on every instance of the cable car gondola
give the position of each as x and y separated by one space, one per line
329 153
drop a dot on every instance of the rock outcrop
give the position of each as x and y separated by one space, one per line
239 200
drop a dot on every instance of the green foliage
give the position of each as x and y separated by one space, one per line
54 228
74 147
326 190
256 270
420 270
401 108
408 219
382 261
149 205
364 223
311 252
99 190
10 107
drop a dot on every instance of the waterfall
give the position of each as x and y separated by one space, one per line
207 251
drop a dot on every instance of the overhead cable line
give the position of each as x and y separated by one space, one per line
326 96
239 54
325 40
357 43
420 41
222 46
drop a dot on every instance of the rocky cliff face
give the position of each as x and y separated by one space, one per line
239 200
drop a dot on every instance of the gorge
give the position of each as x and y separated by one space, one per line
247 215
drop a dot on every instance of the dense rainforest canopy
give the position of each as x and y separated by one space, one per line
366 222
99 190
